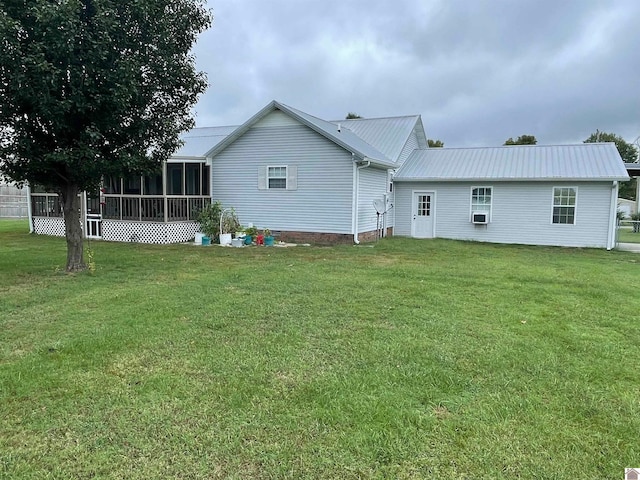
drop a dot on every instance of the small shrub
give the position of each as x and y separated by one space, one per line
230 222
209 220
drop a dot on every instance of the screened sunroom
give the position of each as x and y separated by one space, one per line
158 208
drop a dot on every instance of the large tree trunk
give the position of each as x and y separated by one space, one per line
73 229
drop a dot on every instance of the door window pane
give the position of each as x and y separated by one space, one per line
424 205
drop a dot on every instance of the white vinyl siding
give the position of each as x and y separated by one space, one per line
409 147
373 185
319 179
276 119
520 213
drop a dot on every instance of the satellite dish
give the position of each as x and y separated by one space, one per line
379 205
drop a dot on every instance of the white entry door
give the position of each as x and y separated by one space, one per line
422 215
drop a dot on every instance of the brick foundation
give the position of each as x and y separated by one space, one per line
318 238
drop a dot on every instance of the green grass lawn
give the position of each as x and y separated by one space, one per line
403 359
626 235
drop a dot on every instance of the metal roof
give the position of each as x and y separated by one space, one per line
633 169
345 138
198 141
389 135
380 140
585 161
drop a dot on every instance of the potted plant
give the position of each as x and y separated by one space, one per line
228 223
269 241
250 233
209 220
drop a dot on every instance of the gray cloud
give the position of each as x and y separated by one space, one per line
478 71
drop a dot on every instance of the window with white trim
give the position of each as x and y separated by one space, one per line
564 205
481 199
277 177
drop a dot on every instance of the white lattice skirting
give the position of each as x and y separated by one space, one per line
53 226
148 232
119 231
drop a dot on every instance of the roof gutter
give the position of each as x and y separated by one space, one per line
356 192
513 179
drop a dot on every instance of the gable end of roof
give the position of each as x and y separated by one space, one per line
344 138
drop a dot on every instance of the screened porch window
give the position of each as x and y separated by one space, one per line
132 185
188 179
193 183
175 175
112 184
152 184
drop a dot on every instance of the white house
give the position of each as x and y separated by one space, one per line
562 195
307 179
626 207
304 178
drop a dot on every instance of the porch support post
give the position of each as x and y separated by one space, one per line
164 192
83 213
29 208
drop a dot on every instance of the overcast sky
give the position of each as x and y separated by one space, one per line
478 71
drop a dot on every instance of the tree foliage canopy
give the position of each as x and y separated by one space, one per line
628 151
434 143
94 87
351 116
629 154
522 140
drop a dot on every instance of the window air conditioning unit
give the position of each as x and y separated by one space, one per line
480 218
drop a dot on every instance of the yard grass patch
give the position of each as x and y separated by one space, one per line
411 359
627 235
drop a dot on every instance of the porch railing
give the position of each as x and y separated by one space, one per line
153 209
46 205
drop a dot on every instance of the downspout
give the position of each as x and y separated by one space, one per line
356 191
29 208
637 194
613 217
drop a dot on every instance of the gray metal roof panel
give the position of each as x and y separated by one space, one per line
633 169
198 141
585 161
344 137
389 135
